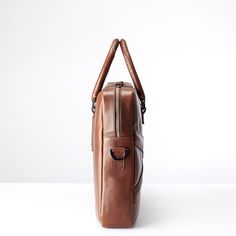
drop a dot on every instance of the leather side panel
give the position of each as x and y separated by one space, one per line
118 178
117 203
97 143
117 182
138 149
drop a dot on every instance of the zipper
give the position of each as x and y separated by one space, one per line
117 108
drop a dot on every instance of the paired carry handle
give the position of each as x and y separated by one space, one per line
104 71
132 71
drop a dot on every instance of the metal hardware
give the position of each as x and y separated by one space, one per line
93 105
120 84
143 110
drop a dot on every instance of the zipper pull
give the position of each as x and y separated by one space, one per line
143 110
119 84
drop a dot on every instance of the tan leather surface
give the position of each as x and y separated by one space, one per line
97 147
117 182
117 145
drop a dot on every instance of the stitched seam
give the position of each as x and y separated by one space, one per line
139 148
127 63
102 150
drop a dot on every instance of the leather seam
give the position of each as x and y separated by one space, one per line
102 150
139 179
139 148
133 176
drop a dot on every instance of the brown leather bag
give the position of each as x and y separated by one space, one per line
117 144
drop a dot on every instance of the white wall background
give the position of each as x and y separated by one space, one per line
51 53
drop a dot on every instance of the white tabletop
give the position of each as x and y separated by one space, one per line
68 209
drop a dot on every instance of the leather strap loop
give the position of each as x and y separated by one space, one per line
118 153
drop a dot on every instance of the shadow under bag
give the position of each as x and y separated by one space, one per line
117 144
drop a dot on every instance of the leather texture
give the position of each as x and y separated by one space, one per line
130 65
117 144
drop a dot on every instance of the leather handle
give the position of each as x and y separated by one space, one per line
105 69
132 70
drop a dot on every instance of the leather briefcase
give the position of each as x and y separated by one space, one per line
117 144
